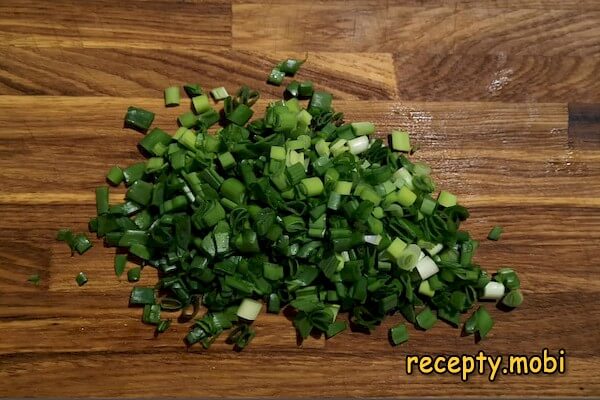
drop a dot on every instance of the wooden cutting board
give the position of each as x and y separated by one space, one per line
499 94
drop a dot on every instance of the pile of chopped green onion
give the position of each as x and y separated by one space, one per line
296 209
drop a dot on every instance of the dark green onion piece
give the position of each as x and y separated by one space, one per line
81 279
101 200
241 336
336 328
398 334
240 114
514 298
305 89
115 176
480 321
142 295
120 263
193 89
151 314
35 279
77 243
292 88
138 118
163 325
276 77
134 172
426 319
320 102
495 233
140 192
133 275
290 66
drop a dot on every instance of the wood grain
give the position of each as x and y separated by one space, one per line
501 95
458 130
146 72
152 24
497 77
380 26
277 374
584 125
530 245
579 5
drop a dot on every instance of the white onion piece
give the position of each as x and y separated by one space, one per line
372 239
249 309
358 145
345 256
427 268
493 291
435 249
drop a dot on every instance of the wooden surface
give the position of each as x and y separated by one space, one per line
485 87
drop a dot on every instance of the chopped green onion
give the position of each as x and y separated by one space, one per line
35 279
406 197
219 93
305 89
241 336
396 248
312 186
508 278
227 160
187 119
115 175
193 89
400 141
336 328
292 88
426 319
163 325
428 206
446 199
81 279
138 118
102 200
233 190
480 322
240 115
151 314
77 243
133 275
495 233
297 208
409 257
514 298
320 102
425 289
120 263
142 295
276 77
140 192
343 188
398 334
290 66
363 128
201 104
172 96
